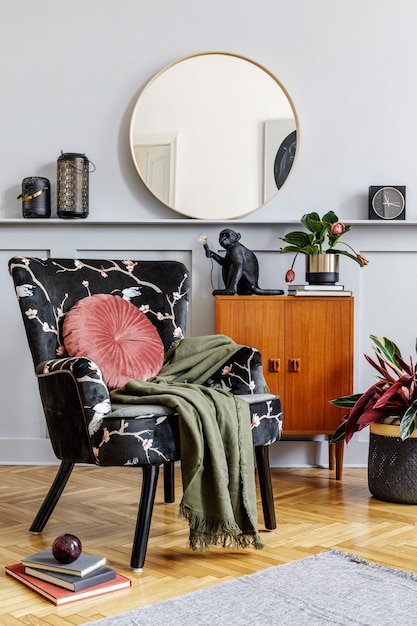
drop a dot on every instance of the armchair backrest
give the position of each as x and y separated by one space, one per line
48 288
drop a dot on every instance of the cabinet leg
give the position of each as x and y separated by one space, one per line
336 454
332 456
340 451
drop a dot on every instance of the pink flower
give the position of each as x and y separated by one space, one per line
255 420
338 228
130 265
362 260
289 276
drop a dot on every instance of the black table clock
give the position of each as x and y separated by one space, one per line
387 202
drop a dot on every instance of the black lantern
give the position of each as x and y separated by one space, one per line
73 171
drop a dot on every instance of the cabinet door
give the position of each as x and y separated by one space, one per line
319 362
307 352
258 322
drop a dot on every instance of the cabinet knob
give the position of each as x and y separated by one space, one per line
274 365
294 365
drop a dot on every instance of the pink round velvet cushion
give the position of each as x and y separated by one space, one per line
116 335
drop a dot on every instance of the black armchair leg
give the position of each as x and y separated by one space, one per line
143 523
265 484
52 497
169 482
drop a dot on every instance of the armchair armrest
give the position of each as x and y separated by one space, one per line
76 398
241 374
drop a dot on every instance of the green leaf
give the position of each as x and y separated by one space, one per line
409 421
298 238
346 402
311 249
330 217
339 433
388 351
309 219
320 229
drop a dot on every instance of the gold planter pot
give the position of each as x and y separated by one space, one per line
322 269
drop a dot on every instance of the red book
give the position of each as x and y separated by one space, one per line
59 595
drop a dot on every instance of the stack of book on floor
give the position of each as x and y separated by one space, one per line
61 583
318 290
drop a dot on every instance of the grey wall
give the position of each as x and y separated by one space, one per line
71 73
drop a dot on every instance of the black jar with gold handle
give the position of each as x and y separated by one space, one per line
35 197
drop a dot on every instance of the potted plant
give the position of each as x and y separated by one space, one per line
318 243
389 408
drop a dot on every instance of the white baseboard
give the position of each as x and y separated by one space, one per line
315 454
282 454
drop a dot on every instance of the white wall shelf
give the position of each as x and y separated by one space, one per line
189 222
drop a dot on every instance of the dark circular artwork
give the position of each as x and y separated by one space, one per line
285 158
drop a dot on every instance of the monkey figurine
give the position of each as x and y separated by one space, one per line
240 269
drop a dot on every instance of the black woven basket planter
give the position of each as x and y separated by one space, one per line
392 465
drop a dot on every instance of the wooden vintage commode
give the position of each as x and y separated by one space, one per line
307 349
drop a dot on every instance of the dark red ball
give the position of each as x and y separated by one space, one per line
66 548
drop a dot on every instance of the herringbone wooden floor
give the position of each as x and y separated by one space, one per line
314 511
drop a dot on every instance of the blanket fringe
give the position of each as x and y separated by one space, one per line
207 532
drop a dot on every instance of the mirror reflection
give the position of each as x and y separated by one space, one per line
214 136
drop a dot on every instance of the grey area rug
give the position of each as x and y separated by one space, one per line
328 588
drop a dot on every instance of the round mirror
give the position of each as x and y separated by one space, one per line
214 136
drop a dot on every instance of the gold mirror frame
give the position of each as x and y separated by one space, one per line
214 136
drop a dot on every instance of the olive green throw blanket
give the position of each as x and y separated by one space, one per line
219 497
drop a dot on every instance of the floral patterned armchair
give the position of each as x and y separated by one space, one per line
82 423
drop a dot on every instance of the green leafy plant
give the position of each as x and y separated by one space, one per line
392 398
321 237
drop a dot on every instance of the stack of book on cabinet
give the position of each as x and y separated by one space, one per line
318 290
61 583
